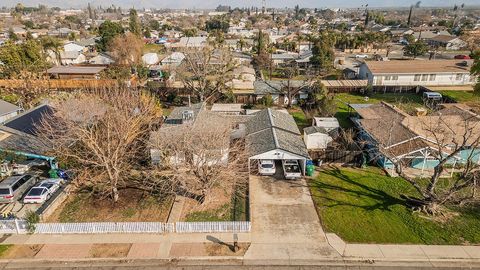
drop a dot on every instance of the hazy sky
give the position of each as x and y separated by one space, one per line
234 3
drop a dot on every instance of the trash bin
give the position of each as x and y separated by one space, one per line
310 169
53 173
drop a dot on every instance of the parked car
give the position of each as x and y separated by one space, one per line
13 187
266 167
291 169
462 56
362 56
37 195
43 191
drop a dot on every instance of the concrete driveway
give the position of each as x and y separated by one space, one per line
285 224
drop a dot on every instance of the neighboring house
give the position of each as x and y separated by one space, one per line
101 59
150 59
277 90
274 135
417 72
8 110
228 108
393 135
173 60
75 72
190 42
190 117
72 58
448 42
19 134
73 46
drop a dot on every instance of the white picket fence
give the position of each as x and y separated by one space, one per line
210 227
13 226
105 227
20 226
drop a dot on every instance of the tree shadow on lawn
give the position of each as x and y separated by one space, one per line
383 200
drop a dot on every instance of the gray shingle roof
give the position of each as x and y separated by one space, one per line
269 130
176 116
269 118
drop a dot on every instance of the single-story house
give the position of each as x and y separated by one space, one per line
72 58
228 108
8 110
101 59
447 41
277 90
398 73
274 135
391 135
174 59
180 119
73 46
150 59
19 134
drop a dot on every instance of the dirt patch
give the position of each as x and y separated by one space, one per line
133 205
207 249
214 249
109 250
22 252
216 199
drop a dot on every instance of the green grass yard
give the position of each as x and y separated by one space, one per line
300 118
364 205
467 97
405 101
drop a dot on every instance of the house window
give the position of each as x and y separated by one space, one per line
459 77
424 77
432 77
417 77
395 78
388 78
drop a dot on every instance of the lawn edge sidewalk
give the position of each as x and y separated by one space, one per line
403 252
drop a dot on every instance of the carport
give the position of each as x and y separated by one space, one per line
274 135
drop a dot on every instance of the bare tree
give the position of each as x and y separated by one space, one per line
453 141
102 134
205 71
126 49
201 155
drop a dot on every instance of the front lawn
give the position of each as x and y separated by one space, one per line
405 101
364 205
132 206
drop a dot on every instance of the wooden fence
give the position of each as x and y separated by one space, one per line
58 84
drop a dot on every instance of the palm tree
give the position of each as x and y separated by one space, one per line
54 44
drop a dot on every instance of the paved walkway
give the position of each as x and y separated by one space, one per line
403 252
177 208
285 225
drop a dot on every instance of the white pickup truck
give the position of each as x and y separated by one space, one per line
291 169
